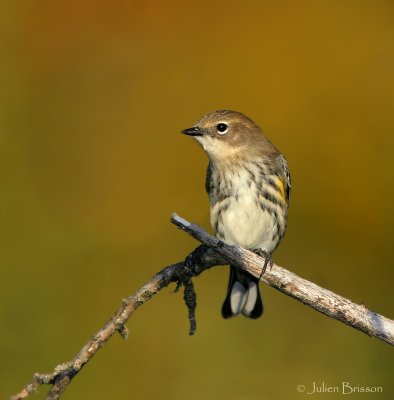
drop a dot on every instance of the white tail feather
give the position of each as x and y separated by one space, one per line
251 299
239 296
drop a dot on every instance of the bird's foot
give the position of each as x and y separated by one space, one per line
268 260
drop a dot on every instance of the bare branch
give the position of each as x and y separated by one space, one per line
199 260
323 300
213 252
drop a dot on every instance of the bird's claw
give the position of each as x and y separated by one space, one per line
267 260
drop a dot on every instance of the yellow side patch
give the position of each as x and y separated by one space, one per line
281 187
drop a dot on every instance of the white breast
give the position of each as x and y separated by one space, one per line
243 221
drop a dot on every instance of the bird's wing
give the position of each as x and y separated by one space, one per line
285 178
208 184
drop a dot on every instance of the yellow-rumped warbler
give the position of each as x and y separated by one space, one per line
249 186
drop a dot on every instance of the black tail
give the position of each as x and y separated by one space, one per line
243 295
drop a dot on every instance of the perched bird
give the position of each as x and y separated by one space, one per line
248 184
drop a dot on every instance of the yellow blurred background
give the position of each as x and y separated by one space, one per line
93 96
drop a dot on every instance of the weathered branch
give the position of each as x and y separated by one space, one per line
213 252
323 300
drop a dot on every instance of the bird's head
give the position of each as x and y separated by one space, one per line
229 135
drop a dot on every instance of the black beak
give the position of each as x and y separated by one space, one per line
195 131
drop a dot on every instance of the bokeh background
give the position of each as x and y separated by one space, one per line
93 96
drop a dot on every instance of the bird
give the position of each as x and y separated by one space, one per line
248 184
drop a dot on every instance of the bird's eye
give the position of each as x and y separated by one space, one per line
222 128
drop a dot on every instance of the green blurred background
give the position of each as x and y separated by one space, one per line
93 96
